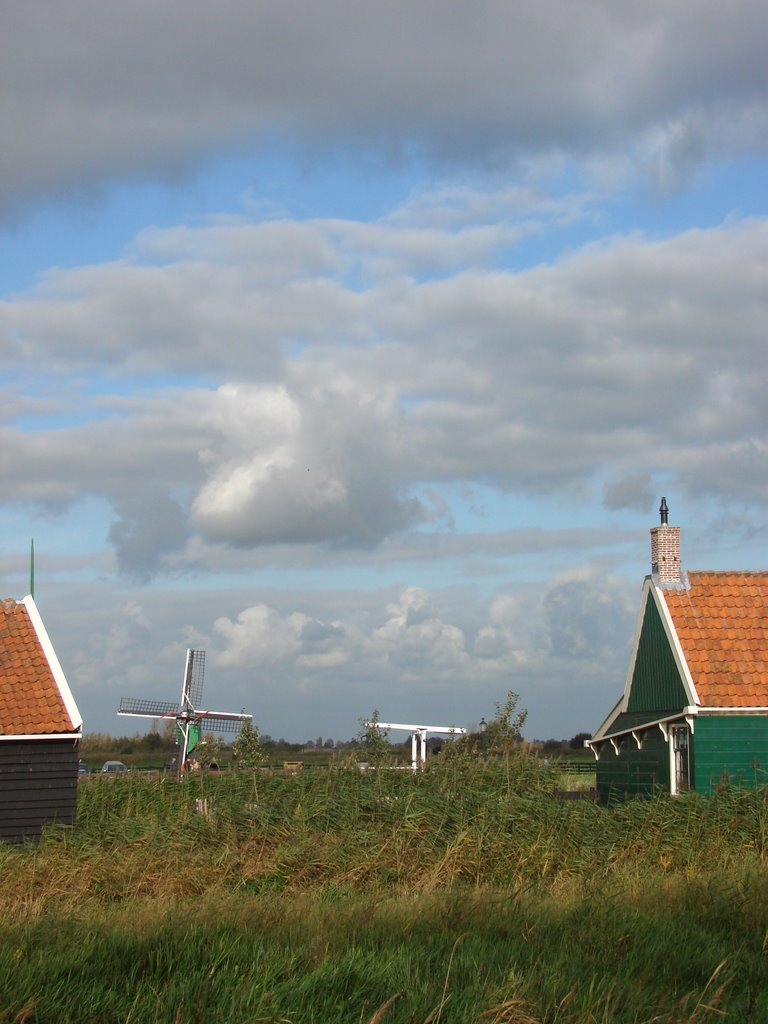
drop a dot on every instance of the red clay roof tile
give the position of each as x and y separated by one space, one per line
722 624
30 700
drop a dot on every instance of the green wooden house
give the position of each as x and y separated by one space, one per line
694 712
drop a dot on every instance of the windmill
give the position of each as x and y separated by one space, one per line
186 713
419 736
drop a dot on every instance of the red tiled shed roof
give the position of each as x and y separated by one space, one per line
722 624
31 700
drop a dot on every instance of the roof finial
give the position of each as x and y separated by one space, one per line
664 512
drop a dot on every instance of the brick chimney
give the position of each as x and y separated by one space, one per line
665 549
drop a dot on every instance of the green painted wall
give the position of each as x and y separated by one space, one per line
633 772
656 683
730 746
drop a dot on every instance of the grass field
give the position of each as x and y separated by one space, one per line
464 894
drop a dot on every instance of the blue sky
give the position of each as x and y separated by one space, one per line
357 345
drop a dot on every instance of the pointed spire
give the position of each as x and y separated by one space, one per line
32 570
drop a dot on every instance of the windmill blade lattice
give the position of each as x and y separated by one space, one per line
217 723
148 708
194 675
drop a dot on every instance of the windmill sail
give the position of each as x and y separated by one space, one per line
220 721
147 708
194 674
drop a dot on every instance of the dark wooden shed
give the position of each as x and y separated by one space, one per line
40 727
694 712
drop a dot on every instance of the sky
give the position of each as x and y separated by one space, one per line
357 343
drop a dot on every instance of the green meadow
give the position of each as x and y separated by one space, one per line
466 893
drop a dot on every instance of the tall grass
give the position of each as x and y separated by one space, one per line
466 893
483 826
336 956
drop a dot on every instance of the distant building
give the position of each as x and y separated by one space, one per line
40 727
694 712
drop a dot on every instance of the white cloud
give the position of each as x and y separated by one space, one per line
317 466
418 657
627 361
415 643
259 635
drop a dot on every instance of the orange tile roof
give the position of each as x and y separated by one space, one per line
30 700
722 625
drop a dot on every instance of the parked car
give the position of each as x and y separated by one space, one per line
114 766
83 768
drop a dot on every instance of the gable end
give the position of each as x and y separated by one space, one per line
655 681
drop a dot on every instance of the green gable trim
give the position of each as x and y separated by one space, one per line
656 684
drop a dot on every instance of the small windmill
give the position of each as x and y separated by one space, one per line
186 713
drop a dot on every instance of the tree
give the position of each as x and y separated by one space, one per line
374 741
247 748
577 741
248 752
504 731
552 744
504 734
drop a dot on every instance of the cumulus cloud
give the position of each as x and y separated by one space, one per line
586 617
415 643
152 89
583 615
322 466
604 368
582 620
259 635
512 639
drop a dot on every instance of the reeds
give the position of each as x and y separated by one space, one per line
488 825
468 892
